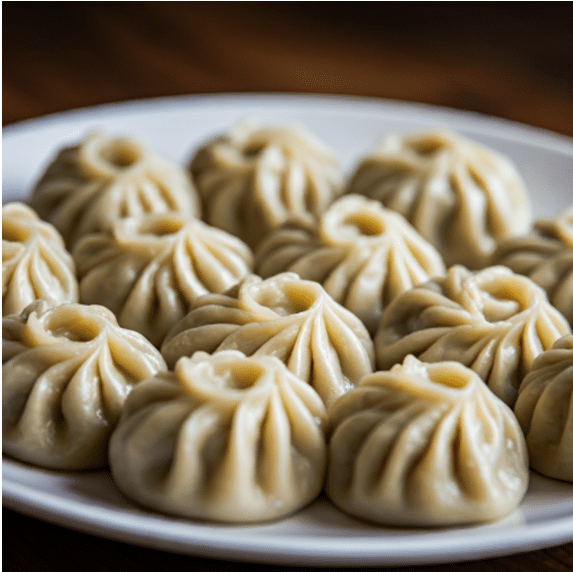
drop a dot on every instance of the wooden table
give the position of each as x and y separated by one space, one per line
509 60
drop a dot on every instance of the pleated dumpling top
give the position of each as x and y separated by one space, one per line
460 196
295 320
148 270
546 256
494 321
88 186
35 261
362 253
544 407
66 372
254 178
223 437
425 445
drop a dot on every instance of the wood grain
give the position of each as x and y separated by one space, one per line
510 60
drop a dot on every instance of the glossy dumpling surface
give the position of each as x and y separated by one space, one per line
546 256
256 177
425 445
88 186
544 408
295 320
494 321
148 270
66 372
35 261
460 196
362 253
225 437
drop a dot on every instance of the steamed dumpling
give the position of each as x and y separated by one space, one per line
295 320
544 408
66 372
425 445
546 256
35 262
494 321
148 270
363 255
88 186
254 178
224 437
460 196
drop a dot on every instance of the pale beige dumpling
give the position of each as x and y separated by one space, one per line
363 254
494 321
546 256
66 372
295 320
460 196
88 186
544 408
225 437
425 445
35 262
254 178
148 270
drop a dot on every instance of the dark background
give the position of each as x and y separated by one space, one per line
510 60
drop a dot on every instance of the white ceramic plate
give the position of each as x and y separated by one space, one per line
319 535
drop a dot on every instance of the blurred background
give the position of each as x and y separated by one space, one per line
512 60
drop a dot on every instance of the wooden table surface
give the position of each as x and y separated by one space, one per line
512 60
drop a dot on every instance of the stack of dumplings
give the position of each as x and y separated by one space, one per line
238 336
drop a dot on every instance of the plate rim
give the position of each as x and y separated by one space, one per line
519 131
208 542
